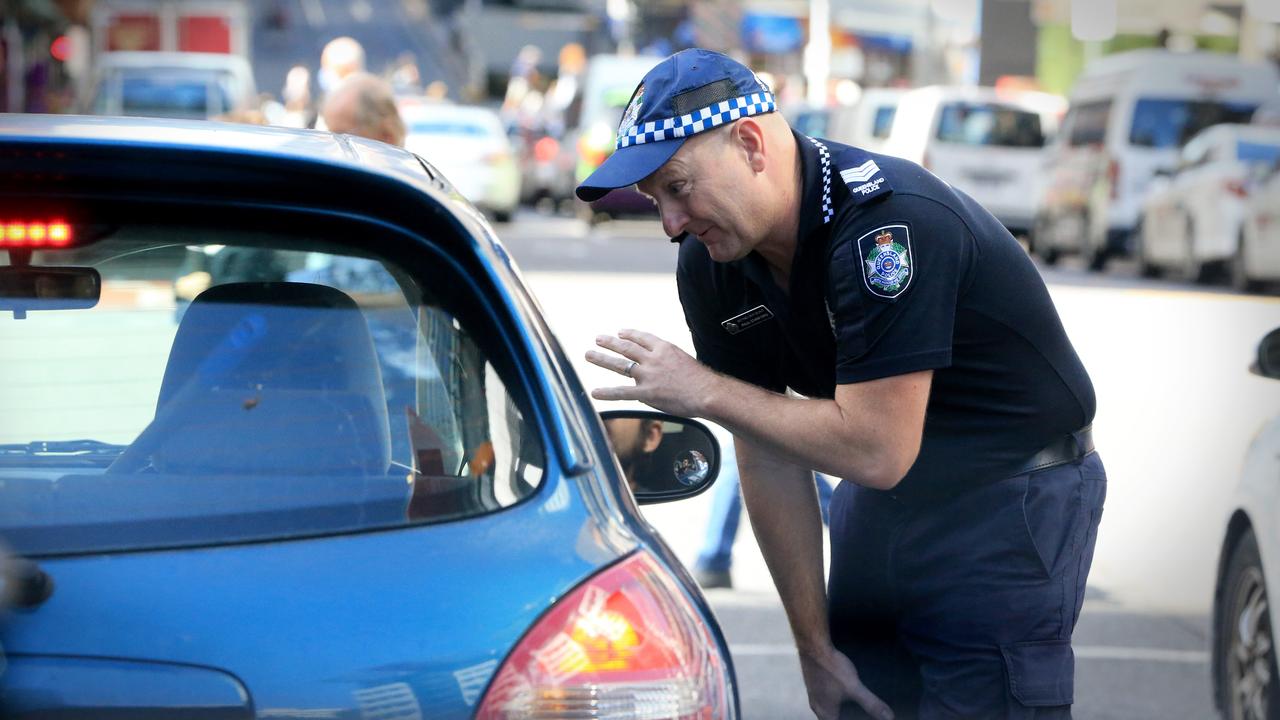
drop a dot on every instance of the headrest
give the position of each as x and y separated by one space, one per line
279 368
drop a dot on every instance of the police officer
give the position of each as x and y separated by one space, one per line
854 314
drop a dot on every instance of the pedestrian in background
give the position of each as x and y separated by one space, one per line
714 565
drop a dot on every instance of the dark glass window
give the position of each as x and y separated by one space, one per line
972 123
1170 123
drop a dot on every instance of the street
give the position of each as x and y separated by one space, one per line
1177 409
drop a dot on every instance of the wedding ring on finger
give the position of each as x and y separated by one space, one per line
630 367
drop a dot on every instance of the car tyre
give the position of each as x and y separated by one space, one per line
1097 257
1245 655
1239 270
1042 242
1146 268
1193 270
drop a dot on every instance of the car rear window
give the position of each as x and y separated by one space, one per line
1170 123
972 123
234 386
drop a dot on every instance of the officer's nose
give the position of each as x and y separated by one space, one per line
673 220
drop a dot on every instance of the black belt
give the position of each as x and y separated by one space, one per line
1065 449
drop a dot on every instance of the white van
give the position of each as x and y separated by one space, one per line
982 141
187 85
1130 114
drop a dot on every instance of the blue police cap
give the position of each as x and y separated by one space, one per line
690 92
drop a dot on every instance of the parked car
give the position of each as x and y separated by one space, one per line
187 85
1257 259
985 142
1245 681
469 145
380 492
1193 217
1130 114
606 90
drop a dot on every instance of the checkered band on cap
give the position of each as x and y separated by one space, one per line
698 120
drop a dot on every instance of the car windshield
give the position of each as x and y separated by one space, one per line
975 123
236 386
1170 123
173 95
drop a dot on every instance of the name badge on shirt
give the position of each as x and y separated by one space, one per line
747 320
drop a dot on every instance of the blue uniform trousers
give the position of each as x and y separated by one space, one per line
964 607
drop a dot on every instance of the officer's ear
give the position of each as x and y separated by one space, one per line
749 136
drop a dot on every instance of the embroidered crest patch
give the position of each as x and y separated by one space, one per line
632 113
886 260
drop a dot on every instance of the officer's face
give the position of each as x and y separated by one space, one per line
705 189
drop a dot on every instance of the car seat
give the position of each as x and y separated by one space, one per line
268 378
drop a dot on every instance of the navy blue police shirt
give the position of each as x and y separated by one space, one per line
897 272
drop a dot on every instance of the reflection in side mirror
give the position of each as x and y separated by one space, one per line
1267 364
24 287
663 456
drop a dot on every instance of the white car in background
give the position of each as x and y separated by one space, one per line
1245 680
984 142
467 144
1130 114
1193 218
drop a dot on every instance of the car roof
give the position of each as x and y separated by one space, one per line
168 60
284 144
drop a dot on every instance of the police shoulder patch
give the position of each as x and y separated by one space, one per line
862 175
886 259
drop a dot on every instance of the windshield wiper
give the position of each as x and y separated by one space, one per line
94 451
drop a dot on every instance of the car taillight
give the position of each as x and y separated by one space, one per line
624 644
34 235
546 149
1235 187
1113 177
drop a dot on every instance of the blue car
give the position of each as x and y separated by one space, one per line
283 435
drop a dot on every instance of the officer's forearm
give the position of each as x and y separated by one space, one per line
782 503
870 436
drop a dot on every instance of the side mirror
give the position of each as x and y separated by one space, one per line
663 456
1267 364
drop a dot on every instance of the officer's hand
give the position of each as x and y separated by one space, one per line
831 680
666 378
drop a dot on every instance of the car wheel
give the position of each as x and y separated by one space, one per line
1146 268
1192 269
1097 257
1246 651
1239 271
1042 242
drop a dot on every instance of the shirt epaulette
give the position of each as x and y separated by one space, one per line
859 171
